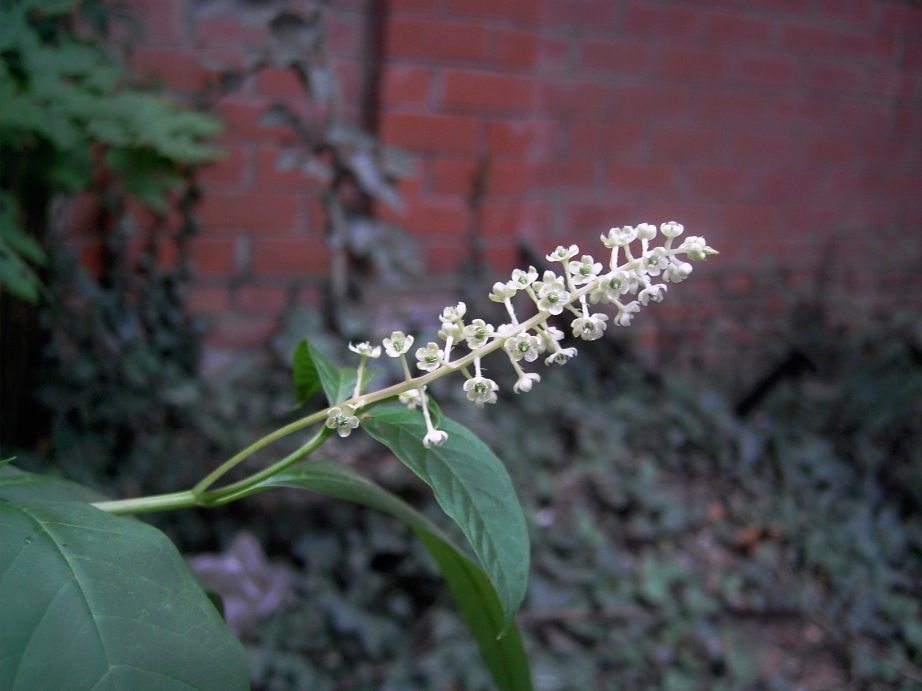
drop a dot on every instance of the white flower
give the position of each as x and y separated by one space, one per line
366 349
696 248
525 382
410 399
430 357
561 254
522 346
653 293
677 271
626 313
435 437
672 229
342 419
619 237
549 281
397 344
481 390
590 328
561 357
477 333
450 329
654 261
584 270
646 231
501 291
453 314
522 279
549 337
612 286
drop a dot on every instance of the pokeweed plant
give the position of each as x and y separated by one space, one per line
93 599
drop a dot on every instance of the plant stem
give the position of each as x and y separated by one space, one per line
157 502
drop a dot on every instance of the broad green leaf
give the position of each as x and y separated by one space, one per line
338 382
93 601
17 485
469 585
307 381
472 486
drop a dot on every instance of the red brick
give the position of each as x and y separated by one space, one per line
553 54
784 186
856 11
874 47
913 54
516 48
437 133
225 32
445 258
784 5
695 217
236 331
507 178
260 211
812 216
749 219
658 178
179 68
486 91
230 169
499 220
503 256
279 82
767 70
804 111
615 57
727 28
213 257
592 15
901 18
597 217
562 173
422 5
644 19
566 96
208 299
516 10
647 102
834 77
270 178
438 219
725 184
161 20
257 298
605 137
689 63
454 176
520 137
809 39
829 150
726 104
405 86
863 116
242 118
289 256
672 144
435 40
346 32
753 147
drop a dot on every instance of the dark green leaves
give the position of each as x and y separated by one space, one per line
472 486
92 601
313 371
472 590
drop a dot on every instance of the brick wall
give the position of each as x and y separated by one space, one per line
773 127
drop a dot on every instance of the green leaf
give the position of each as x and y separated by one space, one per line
93 601
473 593
307 381
338 382
17 485
472 486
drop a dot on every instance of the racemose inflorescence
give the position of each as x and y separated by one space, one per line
581 282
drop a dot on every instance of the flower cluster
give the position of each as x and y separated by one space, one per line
580 282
